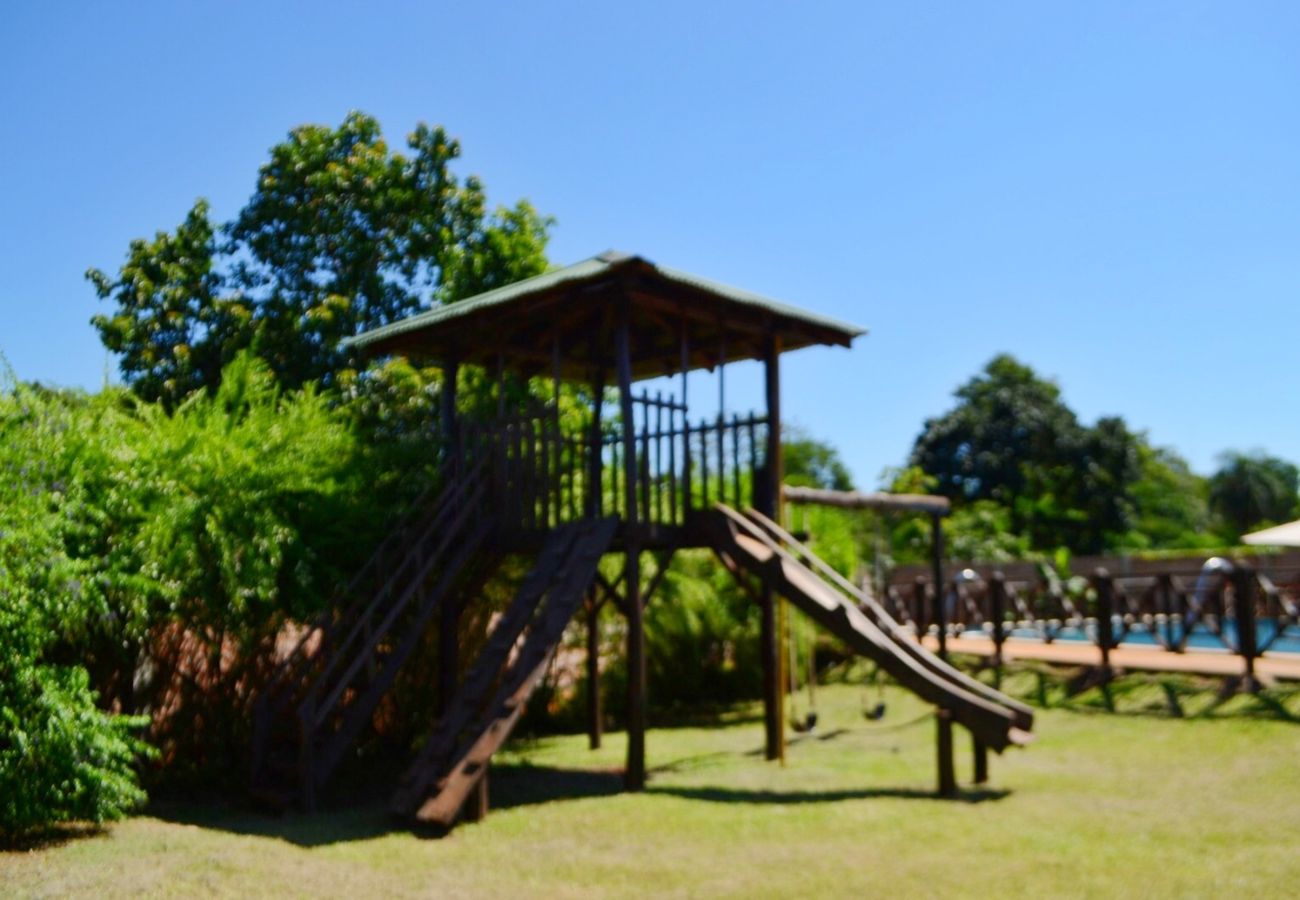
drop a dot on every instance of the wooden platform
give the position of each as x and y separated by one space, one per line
1216 663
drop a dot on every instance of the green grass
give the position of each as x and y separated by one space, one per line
1101 805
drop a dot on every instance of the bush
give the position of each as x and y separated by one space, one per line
61 758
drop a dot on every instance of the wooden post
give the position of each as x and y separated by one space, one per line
919 615
594 723
1243 596
1102 583
936 567
947 772
634 777
476 804
769 505
595 490
447 413
449 616
997 611
981 762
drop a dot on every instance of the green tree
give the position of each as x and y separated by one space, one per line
1252 489
340 235
812 463
1169 501
1011 439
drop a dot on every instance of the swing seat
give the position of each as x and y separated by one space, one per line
804 725
875 714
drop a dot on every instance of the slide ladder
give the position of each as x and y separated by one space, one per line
492 697
758 546
321 698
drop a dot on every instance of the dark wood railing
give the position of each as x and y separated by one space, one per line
543 474
1234 609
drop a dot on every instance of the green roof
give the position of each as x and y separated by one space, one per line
572 305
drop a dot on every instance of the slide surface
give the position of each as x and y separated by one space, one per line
757 545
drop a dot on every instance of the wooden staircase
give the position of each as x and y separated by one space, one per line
323 695
493 695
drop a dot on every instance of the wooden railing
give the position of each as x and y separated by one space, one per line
1224 608
543 474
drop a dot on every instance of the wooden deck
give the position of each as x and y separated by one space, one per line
1215 663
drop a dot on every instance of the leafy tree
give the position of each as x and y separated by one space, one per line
812 463
340 235
1169 501
61 758
1005 417
1253 489
1012 440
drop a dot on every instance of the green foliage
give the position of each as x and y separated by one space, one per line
1171 503
61 758
1253 490
1012 440
152 554
701 636
812 463
340 235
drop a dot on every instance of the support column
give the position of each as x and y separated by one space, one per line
936 567
947 772
449 616
634 776
447 412
981 762
768 501
594 713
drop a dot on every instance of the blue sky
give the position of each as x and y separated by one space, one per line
1110 191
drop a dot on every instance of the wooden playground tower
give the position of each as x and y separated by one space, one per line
567 491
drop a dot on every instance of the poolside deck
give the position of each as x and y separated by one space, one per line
1215 663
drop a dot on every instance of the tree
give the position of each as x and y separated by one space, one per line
1169 502
1005 417
340 235
812 463
1012 440
1253 489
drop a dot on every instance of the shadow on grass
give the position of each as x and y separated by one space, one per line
512 787
49 838
783 798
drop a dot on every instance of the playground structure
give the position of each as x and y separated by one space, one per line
566 493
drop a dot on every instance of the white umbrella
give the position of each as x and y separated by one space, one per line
1287 535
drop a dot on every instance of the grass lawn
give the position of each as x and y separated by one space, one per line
1101 805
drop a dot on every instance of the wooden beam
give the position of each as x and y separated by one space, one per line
873 500
595 723
634 775
769 635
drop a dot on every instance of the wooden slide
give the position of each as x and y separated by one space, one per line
494 692
756 544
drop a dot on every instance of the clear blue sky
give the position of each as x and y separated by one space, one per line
1110 191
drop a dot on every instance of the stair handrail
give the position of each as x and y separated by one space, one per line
279 691
329 618
466 493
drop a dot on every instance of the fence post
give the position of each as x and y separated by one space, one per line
1243 590
1104 586
947 774
997 611
1165 589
